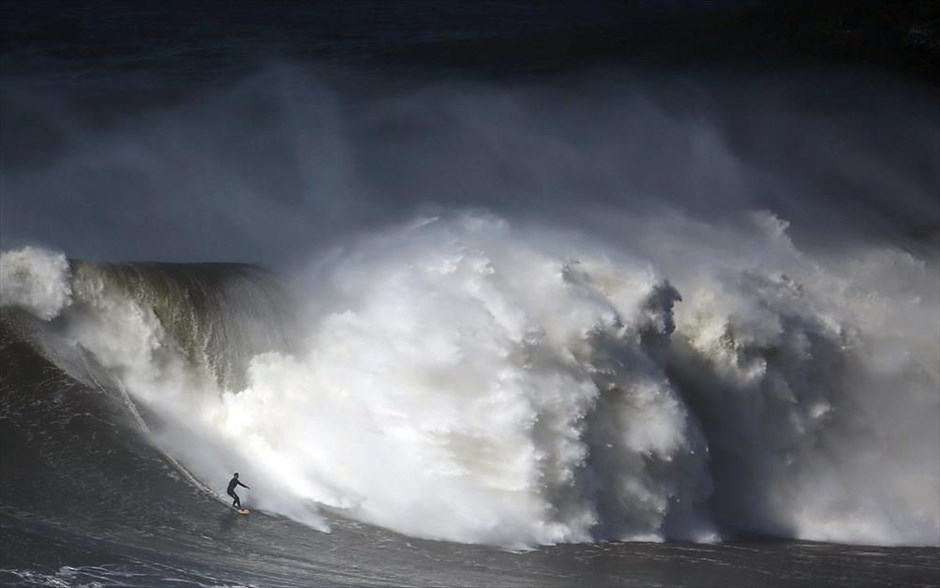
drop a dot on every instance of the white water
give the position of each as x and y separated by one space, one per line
476 381
35 279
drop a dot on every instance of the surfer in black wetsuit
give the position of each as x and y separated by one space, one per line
231 491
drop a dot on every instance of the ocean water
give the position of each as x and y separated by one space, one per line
497 293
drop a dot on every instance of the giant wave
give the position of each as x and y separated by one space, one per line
466 378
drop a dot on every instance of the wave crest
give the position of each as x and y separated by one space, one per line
467 380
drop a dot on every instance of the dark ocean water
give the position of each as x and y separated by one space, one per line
272 132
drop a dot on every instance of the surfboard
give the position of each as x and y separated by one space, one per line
244 511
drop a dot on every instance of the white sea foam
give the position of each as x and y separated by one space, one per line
465 379
35 279
468 385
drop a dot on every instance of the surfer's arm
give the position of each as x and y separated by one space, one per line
245 485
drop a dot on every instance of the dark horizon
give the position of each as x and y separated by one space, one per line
485 38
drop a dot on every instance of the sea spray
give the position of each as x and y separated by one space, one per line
467 379
470 386
35 279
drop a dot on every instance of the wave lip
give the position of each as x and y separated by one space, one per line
35 279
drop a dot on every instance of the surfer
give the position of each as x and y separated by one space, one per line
231 491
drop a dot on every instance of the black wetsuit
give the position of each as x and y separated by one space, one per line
231 492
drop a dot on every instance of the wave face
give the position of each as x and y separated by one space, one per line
470 379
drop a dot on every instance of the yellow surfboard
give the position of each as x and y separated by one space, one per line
244 511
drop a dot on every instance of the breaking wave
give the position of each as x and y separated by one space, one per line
468 379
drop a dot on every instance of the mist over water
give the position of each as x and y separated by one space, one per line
602 307
311 156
